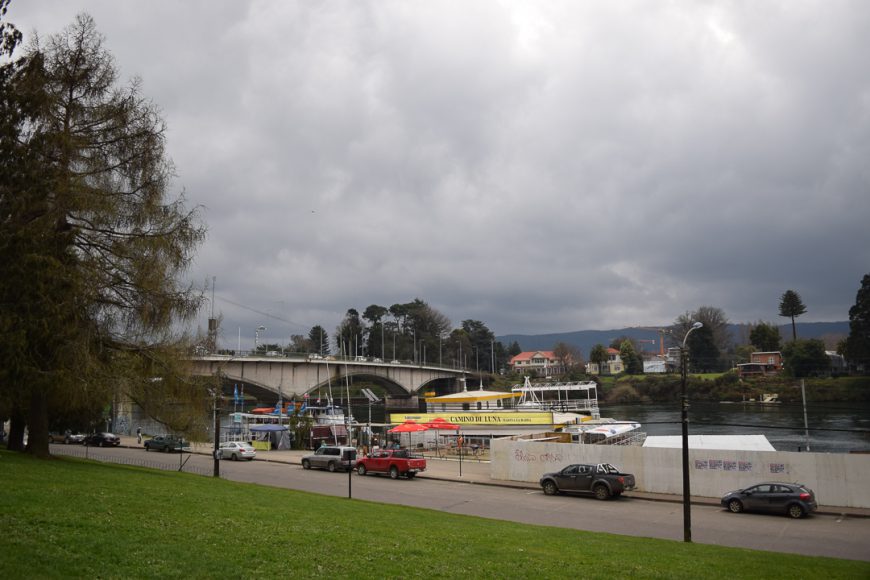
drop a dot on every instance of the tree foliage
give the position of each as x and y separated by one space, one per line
569 356
804 358
765 337
791 306
713 318
318 340
91 245
703 352
857 346
598 355
630 358
707 343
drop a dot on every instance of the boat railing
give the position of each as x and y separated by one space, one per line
565 406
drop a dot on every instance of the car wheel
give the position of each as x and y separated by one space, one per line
735 506
331 467
147 448
306 464
361 469
410 475
235 456
394 472
65 441
550 488
795 511
601 492
166 449
102 444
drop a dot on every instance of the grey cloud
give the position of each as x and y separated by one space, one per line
542 167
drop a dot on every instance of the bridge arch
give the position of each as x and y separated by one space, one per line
294 376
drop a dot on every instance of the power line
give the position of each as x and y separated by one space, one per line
261 313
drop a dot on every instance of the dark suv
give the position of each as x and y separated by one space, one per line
331 457
792 499
102 440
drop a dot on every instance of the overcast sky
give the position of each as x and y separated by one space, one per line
540 166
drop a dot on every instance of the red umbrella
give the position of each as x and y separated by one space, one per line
441 424
409 427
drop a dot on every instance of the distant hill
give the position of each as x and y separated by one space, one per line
586 339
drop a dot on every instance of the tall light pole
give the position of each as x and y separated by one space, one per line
687 506
257 337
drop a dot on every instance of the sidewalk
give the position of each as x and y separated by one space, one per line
478 472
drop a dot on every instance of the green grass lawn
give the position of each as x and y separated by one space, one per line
67 517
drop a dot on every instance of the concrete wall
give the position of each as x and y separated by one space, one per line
839 479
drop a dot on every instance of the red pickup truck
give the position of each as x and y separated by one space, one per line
395 462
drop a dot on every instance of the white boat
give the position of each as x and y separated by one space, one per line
526 409
328 414
607 432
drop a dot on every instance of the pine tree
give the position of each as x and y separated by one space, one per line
857 347
91 245
791 306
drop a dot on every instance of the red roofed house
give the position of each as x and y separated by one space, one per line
542 363
613 366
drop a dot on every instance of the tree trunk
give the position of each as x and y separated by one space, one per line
15 440
793 329
37 438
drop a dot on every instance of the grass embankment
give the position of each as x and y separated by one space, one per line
73 518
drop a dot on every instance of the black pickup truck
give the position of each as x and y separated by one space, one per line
602 480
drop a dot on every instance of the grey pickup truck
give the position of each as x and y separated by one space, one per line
602 480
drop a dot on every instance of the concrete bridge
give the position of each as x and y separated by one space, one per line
293 376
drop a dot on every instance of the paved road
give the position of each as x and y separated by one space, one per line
838 536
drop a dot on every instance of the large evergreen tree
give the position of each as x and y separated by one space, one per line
318 340
791 306
703 353
632 361
765 337
857 346
91 245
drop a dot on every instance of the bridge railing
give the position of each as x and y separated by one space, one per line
310 357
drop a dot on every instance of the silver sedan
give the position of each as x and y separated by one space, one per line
236 450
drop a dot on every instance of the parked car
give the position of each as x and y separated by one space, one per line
67 437
167 443
603 480
103 439
395 462
236 450
331 457
792 499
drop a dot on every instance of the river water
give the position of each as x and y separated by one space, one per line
834 427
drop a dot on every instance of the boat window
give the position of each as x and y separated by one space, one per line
466 406
499 402
443 406
479 406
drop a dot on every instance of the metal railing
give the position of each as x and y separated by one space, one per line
99 454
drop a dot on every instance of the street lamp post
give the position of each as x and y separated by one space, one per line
687 506
216 471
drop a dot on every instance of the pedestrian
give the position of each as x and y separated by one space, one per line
139 435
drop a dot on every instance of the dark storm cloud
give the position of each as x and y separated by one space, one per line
542 167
